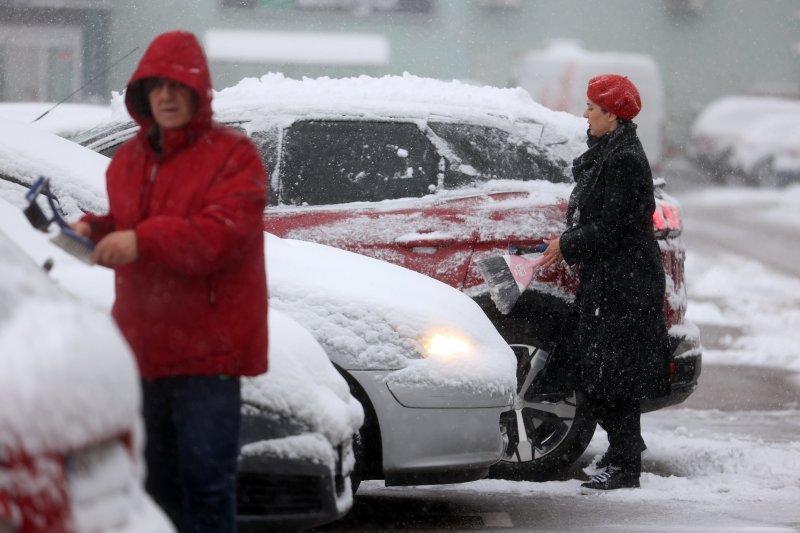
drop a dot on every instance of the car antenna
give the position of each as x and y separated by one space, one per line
79 89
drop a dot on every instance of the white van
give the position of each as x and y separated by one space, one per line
557 77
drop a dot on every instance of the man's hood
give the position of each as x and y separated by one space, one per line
178 56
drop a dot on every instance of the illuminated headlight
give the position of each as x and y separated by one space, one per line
446 346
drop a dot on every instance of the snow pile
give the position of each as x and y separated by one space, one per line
732 291
742 293
708 468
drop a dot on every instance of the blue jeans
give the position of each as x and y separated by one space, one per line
192 446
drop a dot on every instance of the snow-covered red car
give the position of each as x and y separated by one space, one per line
433 176
71 436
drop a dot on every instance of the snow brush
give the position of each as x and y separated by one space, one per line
507 276
66 238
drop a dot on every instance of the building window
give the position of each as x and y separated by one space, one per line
39 63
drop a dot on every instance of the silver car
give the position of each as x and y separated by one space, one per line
434 376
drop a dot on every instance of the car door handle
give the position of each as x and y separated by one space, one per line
433 239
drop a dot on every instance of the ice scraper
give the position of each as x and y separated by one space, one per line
507 276
66 238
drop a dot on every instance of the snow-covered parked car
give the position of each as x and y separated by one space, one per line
70 430
434 176
748 139
420 356
299 419
435 378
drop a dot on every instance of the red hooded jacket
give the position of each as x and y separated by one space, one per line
195 301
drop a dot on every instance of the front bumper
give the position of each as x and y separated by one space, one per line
440 435
281 493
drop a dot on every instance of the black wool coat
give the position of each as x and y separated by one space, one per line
622 335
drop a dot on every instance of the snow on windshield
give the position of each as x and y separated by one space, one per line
369 314
77 175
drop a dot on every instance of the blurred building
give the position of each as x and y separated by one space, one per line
48 48
704 48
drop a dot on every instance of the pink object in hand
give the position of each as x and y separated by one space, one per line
522 269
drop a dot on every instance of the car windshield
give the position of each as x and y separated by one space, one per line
335 162
488 153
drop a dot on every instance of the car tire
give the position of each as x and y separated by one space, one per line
359 453
557 429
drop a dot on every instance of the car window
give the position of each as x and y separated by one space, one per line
106 139
267 142
334 162
488 153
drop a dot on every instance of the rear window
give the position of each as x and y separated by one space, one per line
334 162
488 153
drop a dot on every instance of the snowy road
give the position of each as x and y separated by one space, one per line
728 459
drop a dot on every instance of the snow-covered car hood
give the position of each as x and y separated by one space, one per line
77 175
302 384
373 315
68 377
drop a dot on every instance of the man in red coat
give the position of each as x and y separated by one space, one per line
184 236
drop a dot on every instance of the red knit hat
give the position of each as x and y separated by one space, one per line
616 94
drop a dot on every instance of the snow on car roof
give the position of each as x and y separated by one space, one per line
388 96
77 174
726 118
64 119
67 376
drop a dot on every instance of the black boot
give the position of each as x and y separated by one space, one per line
622 475
614 477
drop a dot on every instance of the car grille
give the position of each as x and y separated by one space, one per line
270 494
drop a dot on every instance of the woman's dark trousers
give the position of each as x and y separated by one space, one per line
621 419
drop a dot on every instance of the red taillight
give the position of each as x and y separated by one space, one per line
673 367
667 221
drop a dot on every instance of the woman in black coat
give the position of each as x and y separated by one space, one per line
621 332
